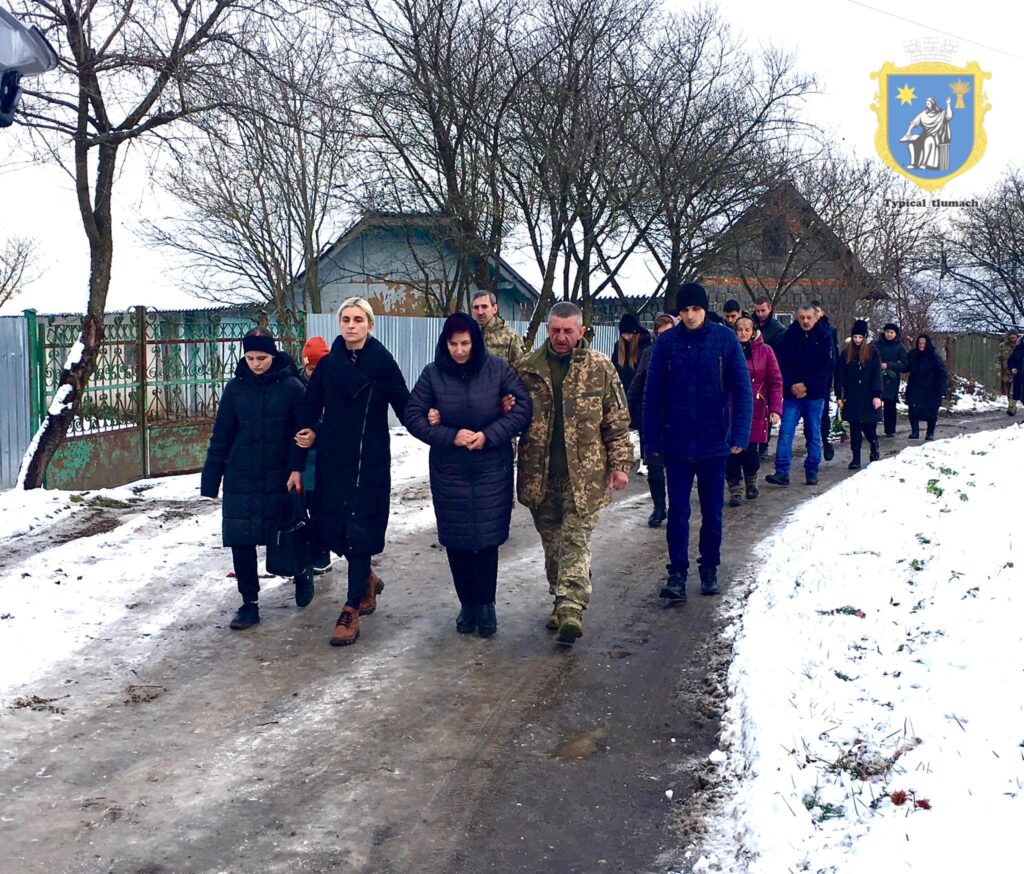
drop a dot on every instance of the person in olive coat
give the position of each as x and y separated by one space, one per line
859 391
894 363
345 414
926 386
471 459
251 451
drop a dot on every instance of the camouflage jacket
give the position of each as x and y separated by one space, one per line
596 420
502 340
1002 356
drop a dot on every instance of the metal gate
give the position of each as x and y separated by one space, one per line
15 397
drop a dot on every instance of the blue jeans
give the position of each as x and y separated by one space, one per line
793 410
710 475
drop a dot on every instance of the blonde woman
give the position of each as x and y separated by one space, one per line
345 415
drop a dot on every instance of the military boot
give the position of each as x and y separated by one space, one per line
709 581
752 491
735 493
570 624
675 588
374 587
552 623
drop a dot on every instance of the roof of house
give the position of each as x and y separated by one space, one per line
785 192
429 221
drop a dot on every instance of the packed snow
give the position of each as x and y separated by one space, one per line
56 597
876 716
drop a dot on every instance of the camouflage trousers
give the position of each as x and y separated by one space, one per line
565 536
1011 402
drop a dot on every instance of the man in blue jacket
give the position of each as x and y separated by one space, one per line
807 361
697 409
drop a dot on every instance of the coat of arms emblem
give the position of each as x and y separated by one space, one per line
930 120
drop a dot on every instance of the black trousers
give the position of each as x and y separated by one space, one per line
358 577
826 424
247 574
744 464
475 574
860 431
656 480
889 416
929 414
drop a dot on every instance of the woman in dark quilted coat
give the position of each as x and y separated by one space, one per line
464 393
251 450
345 415
926 386
859 391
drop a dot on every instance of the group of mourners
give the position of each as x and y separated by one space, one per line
551 427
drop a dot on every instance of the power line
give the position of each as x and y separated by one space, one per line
936 29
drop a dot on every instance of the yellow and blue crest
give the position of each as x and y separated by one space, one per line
930 120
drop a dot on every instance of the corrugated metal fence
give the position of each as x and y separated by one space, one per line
412 340
15 391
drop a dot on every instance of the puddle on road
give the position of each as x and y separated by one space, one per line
580 744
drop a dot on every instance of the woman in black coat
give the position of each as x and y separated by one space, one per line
894 363
345 413
926 386
470 459
251 450
859 391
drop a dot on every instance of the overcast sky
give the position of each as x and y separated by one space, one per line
840 41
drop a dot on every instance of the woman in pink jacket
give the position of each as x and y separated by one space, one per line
766 383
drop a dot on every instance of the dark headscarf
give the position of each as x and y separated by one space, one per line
460 323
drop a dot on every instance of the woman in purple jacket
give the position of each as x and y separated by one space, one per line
766 384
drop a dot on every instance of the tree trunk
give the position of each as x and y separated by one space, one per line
48 439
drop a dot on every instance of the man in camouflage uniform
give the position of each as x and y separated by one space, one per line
576 450
499 338
1005 373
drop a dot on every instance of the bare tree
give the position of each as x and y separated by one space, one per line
128 70
18 266
714 124
982 260
263 182
434 91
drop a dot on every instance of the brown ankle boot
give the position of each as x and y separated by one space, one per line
347 629
373 588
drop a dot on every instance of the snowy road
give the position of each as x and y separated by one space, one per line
164 743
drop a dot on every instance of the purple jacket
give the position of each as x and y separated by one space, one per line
766 384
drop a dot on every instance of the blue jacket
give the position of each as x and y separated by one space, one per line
697 401
807 357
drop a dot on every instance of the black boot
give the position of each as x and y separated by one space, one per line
657 516
486 620
827 450
709 581
466 621
247 616
304 587
656 483
752 491
855 464
675 588
876 454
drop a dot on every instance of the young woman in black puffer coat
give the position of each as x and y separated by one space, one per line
926 386
252 451
859 391
458 407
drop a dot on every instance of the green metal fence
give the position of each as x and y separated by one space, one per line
151 401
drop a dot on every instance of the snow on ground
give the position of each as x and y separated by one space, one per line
876 715
55 599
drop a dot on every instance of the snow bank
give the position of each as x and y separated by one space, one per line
876 720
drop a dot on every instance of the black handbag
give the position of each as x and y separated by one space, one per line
288 553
